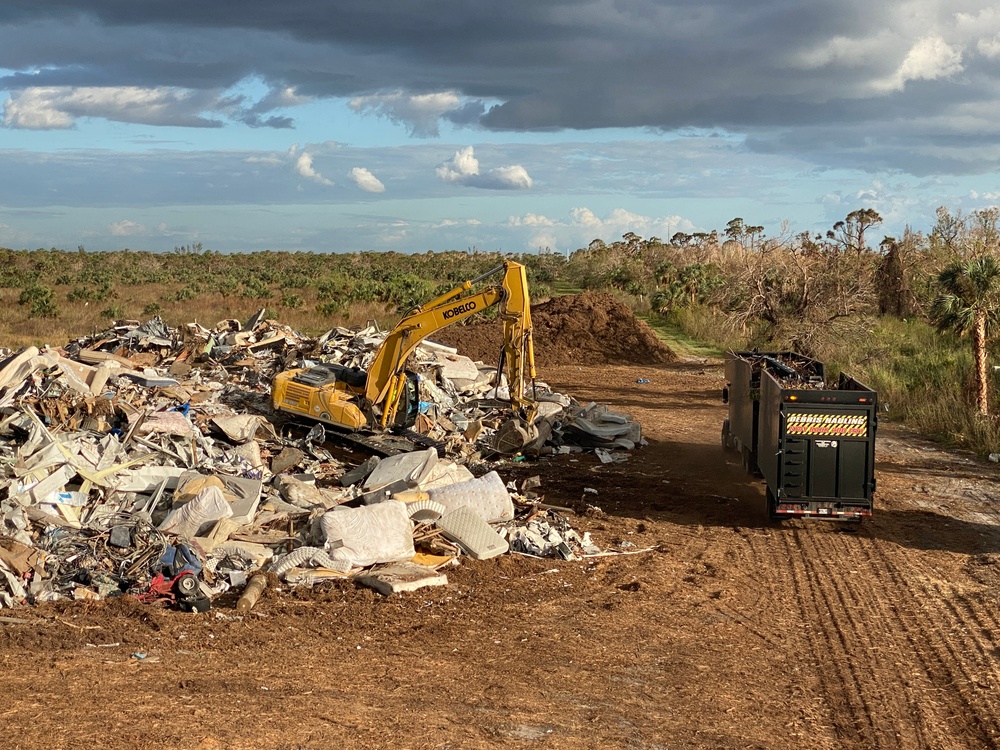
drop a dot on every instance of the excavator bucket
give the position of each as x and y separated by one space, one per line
513 436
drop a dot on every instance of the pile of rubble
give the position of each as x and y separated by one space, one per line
148 460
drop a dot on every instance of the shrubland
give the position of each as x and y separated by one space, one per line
911 316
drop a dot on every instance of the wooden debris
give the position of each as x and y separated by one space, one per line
252 593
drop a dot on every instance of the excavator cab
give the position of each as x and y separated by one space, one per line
330 373
332 393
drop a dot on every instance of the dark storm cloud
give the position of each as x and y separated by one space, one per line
776 69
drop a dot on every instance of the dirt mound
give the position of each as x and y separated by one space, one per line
588 328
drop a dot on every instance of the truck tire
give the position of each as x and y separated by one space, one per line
772 506
727 442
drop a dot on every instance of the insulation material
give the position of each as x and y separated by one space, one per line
371 534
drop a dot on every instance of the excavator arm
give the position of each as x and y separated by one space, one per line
351 399
387 374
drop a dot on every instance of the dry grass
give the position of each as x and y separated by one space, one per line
77 319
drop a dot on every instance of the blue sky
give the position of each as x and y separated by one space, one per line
411 125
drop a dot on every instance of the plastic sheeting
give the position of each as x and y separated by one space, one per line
196 516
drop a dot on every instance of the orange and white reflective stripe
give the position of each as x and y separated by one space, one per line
826 425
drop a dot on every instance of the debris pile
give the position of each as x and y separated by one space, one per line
148 460
461 403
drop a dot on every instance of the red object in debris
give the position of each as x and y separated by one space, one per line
161 589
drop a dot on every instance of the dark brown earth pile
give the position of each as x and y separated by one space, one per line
588 328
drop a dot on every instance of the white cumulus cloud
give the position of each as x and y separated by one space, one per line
989 196
463 165
514 177
989 47
530 220
584 217
463 169
582 226
126 228
930 59
270 160
620 221
304 166
365 180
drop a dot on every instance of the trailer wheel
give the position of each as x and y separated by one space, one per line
727 441
772 506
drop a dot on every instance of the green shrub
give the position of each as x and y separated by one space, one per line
255 289
291 301
329 308
191 291
40 300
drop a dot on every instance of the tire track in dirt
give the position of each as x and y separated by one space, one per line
901 666
957 660
984 617
776 585
900 695
790 623
843 649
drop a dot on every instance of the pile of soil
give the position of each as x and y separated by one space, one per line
588 328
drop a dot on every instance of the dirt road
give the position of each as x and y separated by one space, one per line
734 633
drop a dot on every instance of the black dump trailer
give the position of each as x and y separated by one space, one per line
813 443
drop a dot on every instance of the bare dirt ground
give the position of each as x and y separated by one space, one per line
735 633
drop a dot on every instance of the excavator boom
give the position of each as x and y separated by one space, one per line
387 373
345 399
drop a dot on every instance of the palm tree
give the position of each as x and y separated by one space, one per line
970 303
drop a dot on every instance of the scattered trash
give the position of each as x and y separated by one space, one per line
148 461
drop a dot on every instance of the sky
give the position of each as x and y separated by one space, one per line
414 126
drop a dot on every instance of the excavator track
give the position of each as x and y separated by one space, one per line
383 444
388 444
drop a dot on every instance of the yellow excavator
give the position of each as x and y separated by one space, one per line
385 396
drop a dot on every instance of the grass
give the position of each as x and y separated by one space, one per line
561 288
78 319
674 336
